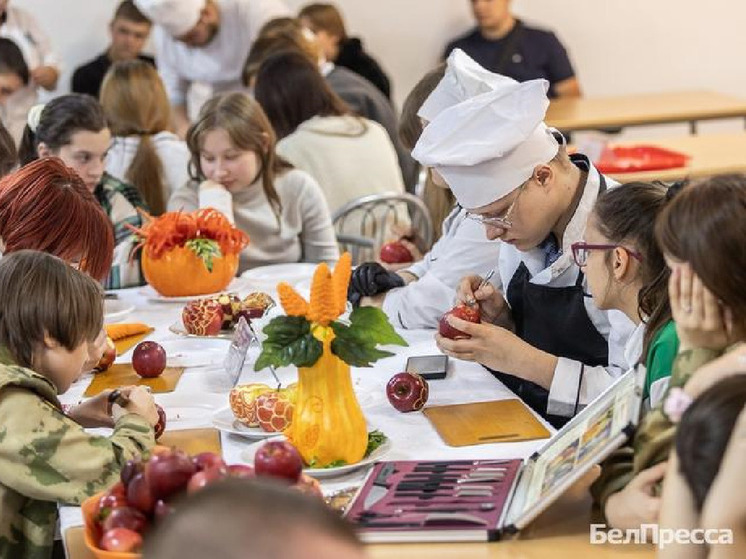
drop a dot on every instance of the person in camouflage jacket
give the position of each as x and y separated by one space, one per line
46 457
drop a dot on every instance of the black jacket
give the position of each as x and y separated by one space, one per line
352 56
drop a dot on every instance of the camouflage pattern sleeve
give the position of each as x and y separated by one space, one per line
654 437
45 455
656 432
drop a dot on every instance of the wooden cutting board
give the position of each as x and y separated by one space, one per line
124 375
193 441
486 422
124 344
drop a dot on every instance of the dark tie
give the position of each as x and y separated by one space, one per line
551 250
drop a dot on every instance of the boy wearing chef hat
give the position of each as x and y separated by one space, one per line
540 335
204 42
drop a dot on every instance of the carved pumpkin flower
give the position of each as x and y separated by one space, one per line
299 337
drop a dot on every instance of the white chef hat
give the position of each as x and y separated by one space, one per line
177 17
486 132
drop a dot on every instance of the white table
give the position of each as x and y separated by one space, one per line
411 434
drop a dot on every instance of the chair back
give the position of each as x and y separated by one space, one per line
364 224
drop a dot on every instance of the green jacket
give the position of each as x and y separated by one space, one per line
47 459
654 437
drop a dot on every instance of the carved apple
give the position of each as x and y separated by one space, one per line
407 391
243 402
274 410
203 317
464 312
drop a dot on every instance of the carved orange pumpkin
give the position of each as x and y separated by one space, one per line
179 272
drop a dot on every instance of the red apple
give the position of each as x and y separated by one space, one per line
407 391
169 473
207 460
255 305
241 471
109 502
160 427
309 485
395 253
205 477
149 359
203 317
122 540
126 517
274 411
139 494
464 312
108 357
130 469
162 509
278 459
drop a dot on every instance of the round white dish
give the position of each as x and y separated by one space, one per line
275 273
320 473
224 420
116 310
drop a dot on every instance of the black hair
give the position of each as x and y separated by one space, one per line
704 432
627 214
12 61
291 90
60 119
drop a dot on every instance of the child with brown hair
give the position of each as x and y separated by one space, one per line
50 314
700 233
235 170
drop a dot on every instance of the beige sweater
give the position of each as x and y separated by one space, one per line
305 232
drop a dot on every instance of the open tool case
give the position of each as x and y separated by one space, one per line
481 500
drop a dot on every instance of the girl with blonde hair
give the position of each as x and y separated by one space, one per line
144 152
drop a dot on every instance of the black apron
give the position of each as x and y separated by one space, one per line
553 319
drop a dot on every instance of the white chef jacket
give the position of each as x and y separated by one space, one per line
220 62
614 325
22 28
462 250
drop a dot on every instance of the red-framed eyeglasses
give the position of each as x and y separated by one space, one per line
581 249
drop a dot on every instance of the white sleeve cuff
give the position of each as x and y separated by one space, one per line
217 197
574 386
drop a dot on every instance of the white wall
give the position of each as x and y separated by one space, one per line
617 46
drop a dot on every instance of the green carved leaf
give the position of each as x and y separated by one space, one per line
206 249
289 342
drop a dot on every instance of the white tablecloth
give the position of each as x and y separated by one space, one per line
203 390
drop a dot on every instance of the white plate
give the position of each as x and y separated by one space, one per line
178 328
188 353
375 456
275 273
116 310
224 420
189 411
152 295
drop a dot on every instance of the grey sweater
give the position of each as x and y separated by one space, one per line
304 234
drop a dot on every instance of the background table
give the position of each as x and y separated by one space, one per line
710 154
635 110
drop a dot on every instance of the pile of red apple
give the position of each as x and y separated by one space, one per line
207 317
148 488
258 405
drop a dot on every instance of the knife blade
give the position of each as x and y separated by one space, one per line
379 488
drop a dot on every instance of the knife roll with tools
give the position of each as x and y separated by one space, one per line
484 499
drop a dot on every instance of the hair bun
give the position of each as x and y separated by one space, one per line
34 116
674 188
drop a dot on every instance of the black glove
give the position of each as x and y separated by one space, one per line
371 279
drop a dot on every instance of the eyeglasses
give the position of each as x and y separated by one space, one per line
503 221
581 250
